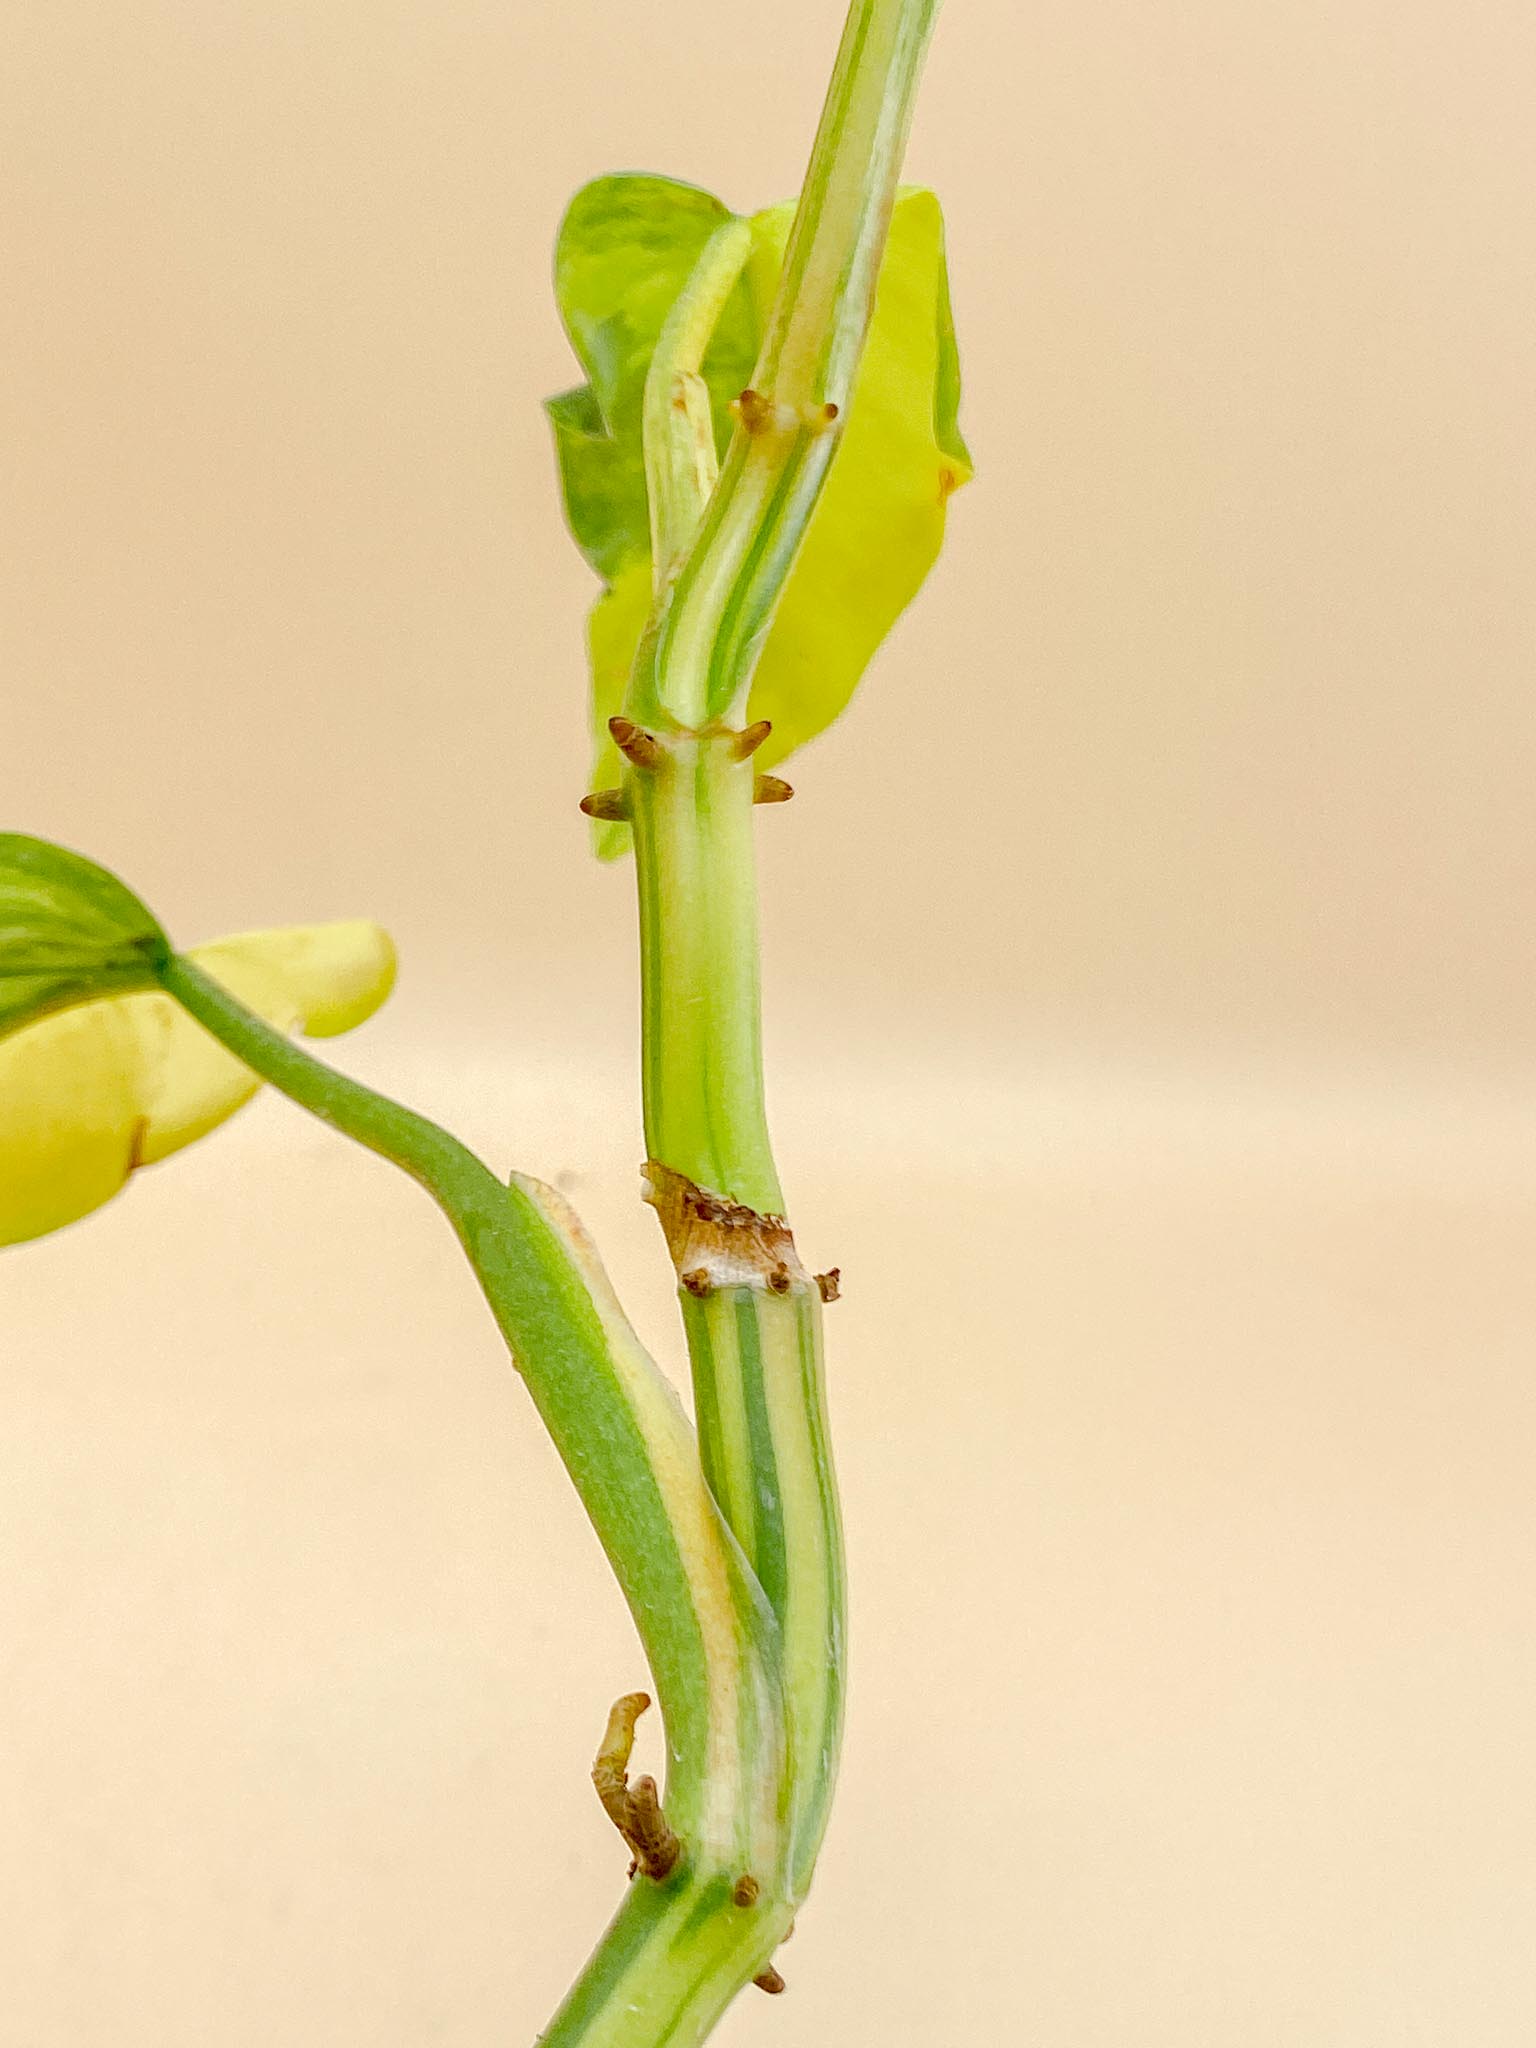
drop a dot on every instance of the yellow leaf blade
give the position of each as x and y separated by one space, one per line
90 1093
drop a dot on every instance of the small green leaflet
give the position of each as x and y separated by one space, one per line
626 249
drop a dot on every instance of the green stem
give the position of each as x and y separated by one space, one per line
751 1313
701 1031
760 1394
721 605
672 1960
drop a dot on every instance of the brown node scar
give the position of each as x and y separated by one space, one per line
747 743
771 789
716 1242
746 1891
829 1285
609 805
635 1810
639 747
770 1981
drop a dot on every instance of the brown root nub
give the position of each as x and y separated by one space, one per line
770 1981
753 410
746 1891
829 1285
771 789
634 1810
823 417
716 1242
656 1847
610 806
748 742
638 746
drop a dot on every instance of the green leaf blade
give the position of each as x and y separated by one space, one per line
602 483
69 932
626 249
623 254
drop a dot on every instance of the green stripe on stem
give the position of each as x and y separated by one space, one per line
700 1007
759 1353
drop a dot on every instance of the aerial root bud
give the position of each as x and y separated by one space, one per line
746 1890
639 747
635 1810
829 1285
746 744
755 412
760 414
610 806
770 1981
771 789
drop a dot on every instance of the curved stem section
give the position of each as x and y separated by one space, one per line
751 1313
679 431
711 1644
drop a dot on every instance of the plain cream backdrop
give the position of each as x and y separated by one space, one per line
1151 1015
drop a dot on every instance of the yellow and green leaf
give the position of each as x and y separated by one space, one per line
116 1081
625 252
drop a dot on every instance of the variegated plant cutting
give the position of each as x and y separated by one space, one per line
757 465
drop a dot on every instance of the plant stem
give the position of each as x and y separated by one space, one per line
712 1647
751 1312
672 1960
701 1032
700 663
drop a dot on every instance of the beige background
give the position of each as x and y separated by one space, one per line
1152 1026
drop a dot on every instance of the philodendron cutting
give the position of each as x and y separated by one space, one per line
757 465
